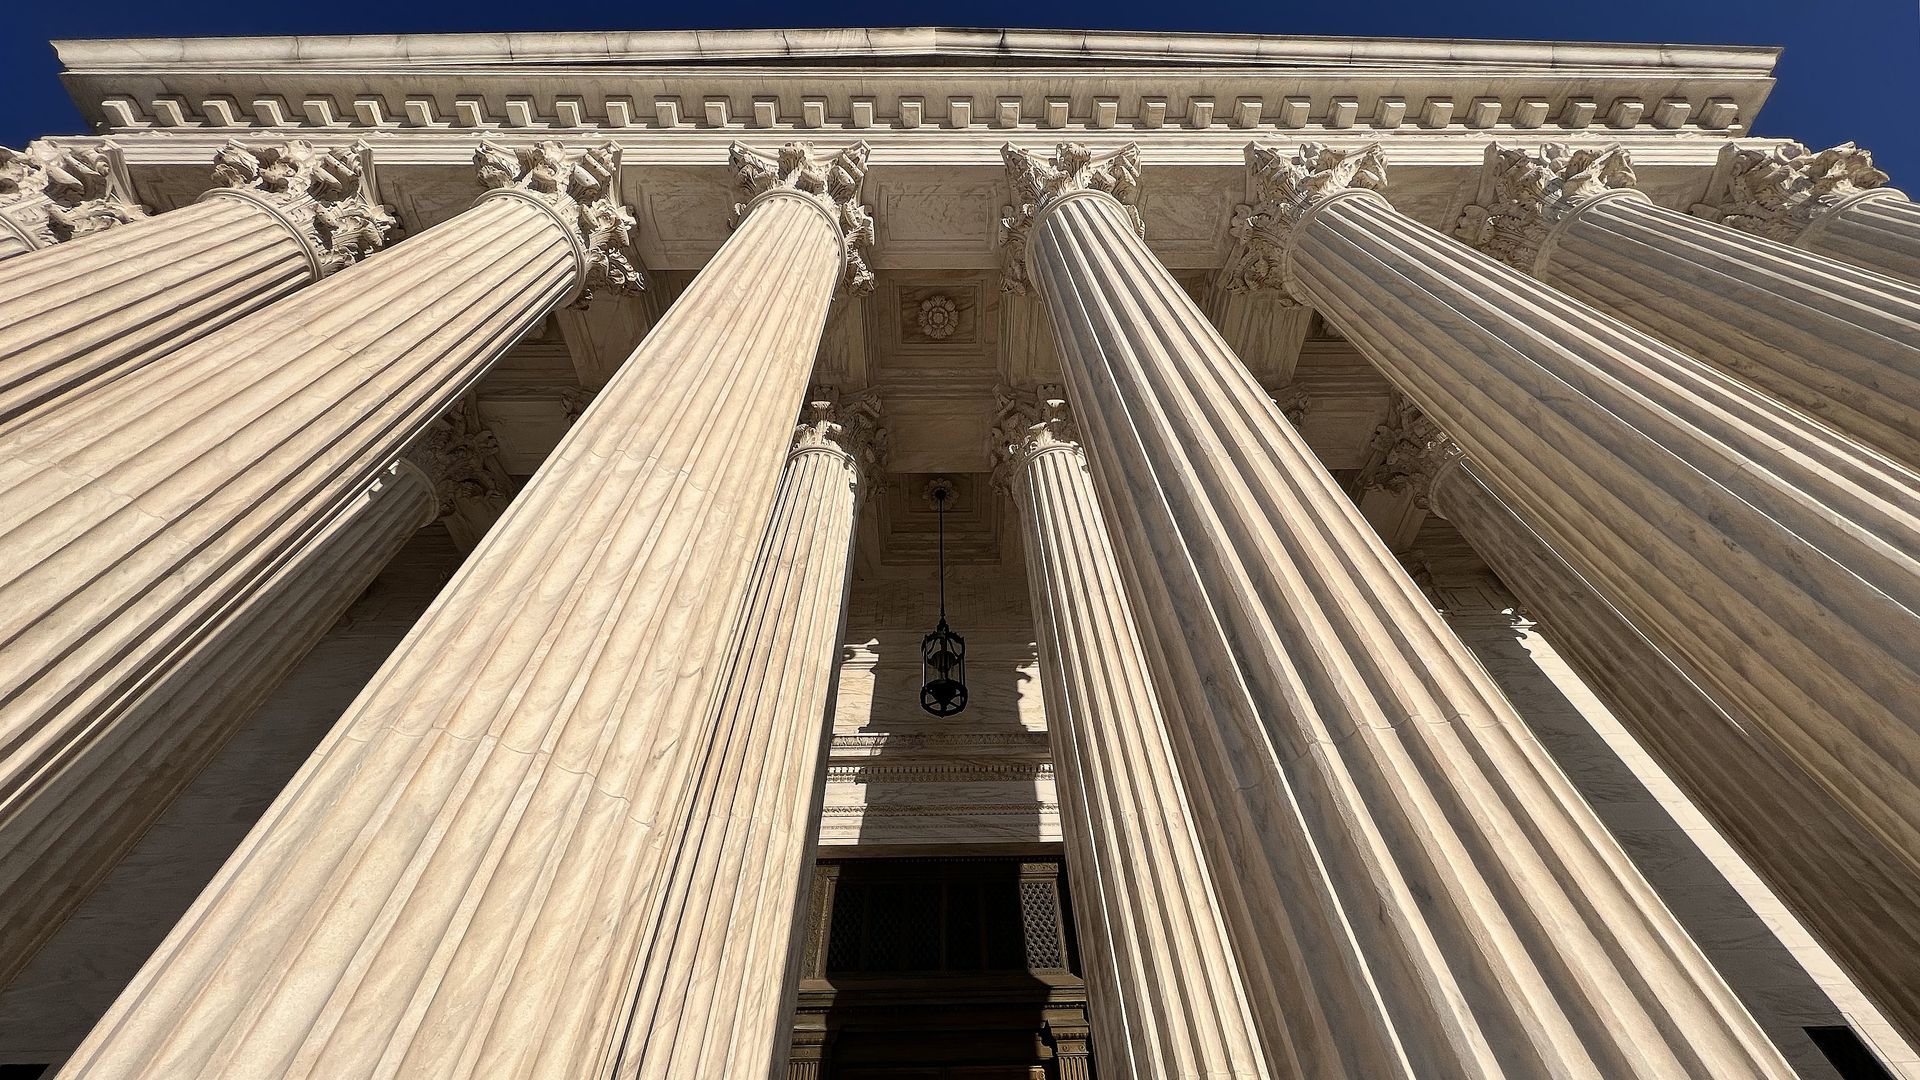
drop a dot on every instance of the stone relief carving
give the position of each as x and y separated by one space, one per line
1524 194
1409 452
457 454
54 194
1035 183
834 183
1779 191
1026 422
1286 186
582 190
1293 401
322 194
849 425
938 317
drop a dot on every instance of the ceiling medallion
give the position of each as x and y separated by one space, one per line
939 318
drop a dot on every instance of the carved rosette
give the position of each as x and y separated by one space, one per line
322 194
1286 188
51 194
1409 452
847 426
457 454
1293 401
1029 422
1037 183
834 183
1525 194
581 190
1780 191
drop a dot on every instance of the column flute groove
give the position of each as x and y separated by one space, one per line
1776 561
1838 342
131 535
462 881
1162 978
1416 889
88 311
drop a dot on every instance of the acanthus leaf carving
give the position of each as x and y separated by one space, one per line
850 425
1286 187
323 194
1409 452
457 453
1526 193
1029 421
834 183
1293 401
582 190
1037 183
1780 191
56 193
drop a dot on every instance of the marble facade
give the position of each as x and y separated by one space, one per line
1435 525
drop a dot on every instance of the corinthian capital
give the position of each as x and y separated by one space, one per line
323 195
1524 194
1778 191
848 425
1037 183
457 454
1409 452
1286 186
580 190
834 183
1029 422
51 194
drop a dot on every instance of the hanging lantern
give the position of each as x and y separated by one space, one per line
943 653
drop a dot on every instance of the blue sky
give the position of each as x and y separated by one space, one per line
1851 68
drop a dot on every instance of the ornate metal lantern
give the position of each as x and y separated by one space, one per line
943 653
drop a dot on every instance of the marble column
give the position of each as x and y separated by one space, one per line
1161 975
1776 561
50 194
281 216
74 799
1413 887
1789 828
468 877
1830 203
145 520
718 979
1838 342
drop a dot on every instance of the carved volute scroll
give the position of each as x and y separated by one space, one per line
834 183
458 455
1286 187
1779 192
1409 451
582 192
1524 194
846 425
1036 183
323 195
1029 421
51 194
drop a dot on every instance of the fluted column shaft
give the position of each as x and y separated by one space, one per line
719 975
1415 889
77 799
1777 561
1878 230
1841 343
80 313
1853 893
135 537
1161 974
464 879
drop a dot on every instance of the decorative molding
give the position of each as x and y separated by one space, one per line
1028 422
1779 192
580 191
937 773
51 193
1287 187
834 183
1409 452
938 317
1526 194
901 743
1038 184
457 454
850 427
965 809
324 195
